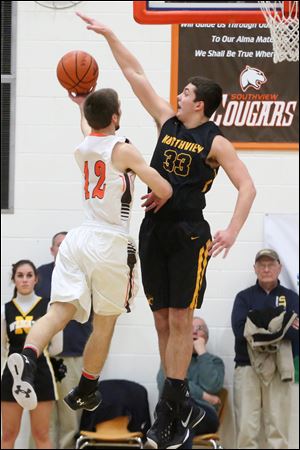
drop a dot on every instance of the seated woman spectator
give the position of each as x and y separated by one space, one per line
205 377
18 317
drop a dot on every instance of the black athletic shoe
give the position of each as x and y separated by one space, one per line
75 400
167 430
23 371
191 414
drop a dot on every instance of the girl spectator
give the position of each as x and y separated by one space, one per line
18 317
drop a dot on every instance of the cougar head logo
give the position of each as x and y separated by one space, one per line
252 77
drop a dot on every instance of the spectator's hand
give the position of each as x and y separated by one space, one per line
199 345
222 240
295 323
212 399
93 24
152 202
60 369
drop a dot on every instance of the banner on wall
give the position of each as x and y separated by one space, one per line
281 233
260 98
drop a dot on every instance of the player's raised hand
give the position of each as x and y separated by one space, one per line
93 24
78 99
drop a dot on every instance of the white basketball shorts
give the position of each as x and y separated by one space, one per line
95 269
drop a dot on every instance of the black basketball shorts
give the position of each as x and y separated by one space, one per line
174 257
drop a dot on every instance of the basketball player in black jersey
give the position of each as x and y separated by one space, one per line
175 243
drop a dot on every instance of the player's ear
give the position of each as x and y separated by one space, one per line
115 118
199 105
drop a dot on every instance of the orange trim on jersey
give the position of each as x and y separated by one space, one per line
20 309
202 263
98 134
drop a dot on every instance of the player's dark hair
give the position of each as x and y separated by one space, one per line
99 108
15 267
207 91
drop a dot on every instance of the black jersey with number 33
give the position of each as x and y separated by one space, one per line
179 157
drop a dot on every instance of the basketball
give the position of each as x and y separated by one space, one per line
77 71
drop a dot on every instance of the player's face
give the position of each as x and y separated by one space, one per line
25 279
186 103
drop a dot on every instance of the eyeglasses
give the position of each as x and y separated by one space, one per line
267 266
199 328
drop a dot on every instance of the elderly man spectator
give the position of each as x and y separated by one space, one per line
265 323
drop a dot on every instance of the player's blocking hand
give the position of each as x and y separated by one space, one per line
93 24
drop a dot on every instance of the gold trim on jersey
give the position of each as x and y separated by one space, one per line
47 356
209 181
14 300
202 263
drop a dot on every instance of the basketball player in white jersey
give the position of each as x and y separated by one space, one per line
96 264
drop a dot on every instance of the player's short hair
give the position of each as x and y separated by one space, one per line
100 106
207 91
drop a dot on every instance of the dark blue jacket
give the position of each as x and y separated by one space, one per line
75 334
255 298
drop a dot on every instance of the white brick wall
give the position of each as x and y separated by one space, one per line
47 184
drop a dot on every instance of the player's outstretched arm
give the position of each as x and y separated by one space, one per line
79 100
157 107
126 156
224 153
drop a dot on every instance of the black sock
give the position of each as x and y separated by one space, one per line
87 384
180 385
31 354
174 390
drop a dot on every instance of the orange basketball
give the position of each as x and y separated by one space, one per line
77 71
